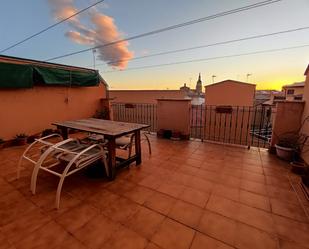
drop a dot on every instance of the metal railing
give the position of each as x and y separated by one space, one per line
136 113
250 126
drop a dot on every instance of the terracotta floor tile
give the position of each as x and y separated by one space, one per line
186 213
151 182
11 211
229 180
96 232
152 246
188 170
125 238
254 200
145 222
255 187
139 194
218 226
160 202
256 217
202 185
171 188
180 178
223 206
282 194
120 186
48 236
194 162
289 210
292 230
25 225
5 187
196 197
260 178
103 199
71 243
121 210
227 192
249 237
77 217
202 241
172 234
289 245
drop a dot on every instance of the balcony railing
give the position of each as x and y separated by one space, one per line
136 113
250 126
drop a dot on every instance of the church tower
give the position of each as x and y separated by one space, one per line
198 88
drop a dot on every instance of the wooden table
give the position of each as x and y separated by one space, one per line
111 130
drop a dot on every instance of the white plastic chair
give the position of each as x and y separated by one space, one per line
44 143
77 157
127 142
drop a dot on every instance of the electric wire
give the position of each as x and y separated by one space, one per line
180 25
50 27
210 58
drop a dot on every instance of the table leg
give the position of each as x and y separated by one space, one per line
111 158
138 150
64 132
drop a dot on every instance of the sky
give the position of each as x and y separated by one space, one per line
117 19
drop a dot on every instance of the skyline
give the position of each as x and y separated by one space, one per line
269 70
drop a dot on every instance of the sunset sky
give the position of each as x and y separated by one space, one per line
116 19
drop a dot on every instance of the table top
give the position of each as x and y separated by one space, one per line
104 127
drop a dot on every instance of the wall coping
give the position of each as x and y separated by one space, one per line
292 101
170 99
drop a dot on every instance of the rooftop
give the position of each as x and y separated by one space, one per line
185 195
296 84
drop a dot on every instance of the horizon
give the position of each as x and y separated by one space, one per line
132 65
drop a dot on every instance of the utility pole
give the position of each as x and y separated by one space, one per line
93 53
213 78
248 75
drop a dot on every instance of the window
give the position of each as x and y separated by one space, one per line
279 97
298 98
290 91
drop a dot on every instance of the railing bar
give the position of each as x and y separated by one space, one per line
242 123
236 121
224 127
261 124
220 116
248 125
230 132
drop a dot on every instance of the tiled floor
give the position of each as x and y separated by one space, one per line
186 195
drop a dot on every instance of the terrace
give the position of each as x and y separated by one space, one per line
187 194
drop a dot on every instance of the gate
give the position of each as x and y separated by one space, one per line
136 113
249 126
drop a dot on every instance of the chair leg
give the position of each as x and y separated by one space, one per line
59 188
19 166
149 145
36 169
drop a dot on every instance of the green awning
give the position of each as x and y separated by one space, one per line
25 76
15 76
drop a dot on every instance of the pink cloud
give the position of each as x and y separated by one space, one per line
104 31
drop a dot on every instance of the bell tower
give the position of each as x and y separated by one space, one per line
198 88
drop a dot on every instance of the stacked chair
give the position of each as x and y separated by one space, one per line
61 158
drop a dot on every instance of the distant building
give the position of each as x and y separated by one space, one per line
294 91
144 96
230 93
150 96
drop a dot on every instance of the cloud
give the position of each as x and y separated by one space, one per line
104 31
79 38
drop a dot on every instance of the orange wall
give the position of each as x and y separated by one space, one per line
230 93
174 115
288 119
32 110
144 96
305 128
